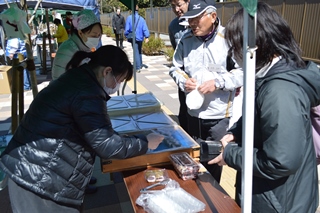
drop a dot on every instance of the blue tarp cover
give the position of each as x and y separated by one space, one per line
57 4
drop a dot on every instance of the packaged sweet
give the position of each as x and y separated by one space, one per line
155 175
186 167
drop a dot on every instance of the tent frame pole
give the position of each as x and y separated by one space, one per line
249 68
134 47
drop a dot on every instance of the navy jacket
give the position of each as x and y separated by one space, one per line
53 150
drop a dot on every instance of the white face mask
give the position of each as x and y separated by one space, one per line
109 90
92 42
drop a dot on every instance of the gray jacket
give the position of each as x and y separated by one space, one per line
118 23
176 31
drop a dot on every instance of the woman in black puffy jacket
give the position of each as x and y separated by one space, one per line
51 155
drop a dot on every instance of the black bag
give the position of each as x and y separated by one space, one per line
209 150
129 37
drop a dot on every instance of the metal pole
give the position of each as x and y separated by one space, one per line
14 99
49 36
30 67
20 93
34 12
44 53
134 47
249 68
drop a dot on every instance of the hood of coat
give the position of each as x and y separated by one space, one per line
308 78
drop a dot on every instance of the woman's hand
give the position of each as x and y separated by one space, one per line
218 160
154 140
226 139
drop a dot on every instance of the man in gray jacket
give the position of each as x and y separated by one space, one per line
118 24
200 64
176 31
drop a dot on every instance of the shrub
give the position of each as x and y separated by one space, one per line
153 47
168 51
108 31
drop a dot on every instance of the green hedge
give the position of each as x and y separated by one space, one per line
108 31
155 46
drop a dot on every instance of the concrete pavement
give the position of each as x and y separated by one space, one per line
112 196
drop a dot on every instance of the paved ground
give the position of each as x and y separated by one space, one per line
112 196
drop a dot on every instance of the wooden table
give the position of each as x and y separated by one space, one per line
204 188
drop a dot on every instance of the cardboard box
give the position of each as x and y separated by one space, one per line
5 79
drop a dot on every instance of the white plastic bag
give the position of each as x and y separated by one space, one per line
195 99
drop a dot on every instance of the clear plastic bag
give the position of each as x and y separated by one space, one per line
171 199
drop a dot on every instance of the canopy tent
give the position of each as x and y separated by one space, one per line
56 4
129 3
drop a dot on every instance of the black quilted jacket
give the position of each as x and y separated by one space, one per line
53 150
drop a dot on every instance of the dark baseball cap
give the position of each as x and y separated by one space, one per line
197 7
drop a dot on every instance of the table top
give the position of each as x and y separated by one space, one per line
204 188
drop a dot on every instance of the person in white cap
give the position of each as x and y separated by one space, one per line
86 34
200 65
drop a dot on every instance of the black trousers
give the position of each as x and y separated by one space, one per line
119 39
183 110
23 200
208 129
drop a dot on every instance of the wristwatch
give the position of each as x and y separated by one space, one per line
217 84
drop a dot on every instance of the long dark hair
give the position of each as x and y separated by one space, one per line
106 56
273 37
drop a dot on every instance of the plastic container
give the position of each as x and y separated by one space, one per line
186 167
171 199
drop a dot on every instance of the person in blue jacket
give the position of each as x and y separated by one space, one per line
142 33
16 46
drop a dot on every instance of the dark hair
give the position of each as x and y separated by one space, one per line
87 29
56 21
106 56
273 37
169 1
